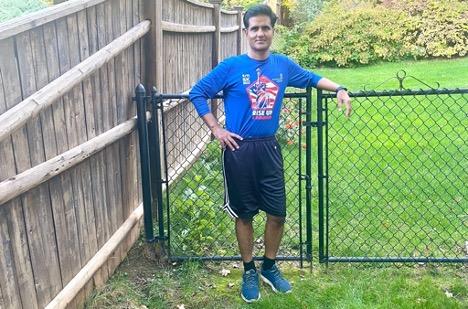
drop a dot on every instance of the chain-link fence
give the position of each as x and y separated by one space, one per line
397 177
391 180
198 227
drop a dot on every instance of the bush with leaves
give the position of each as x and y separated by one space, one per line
353 32
13 8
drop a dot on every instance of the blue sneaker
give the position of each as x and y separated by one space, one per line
274 278
250 290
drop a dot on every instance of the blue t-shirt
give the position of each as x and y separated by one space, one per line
253 91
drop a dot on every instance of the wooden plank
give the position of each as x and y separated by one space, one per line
36 203
97 161
112 152
113 30
125 144
119 27
12 212
10 296
102 120
42 44
62 193
88 104
134 80
76 136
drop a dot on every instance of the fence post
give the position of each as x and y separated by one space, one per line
153 43
239 33
140 98
309 173
278 12
320 176
216 48
156 168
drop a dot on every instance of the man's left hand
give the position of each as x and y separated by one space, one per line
343 98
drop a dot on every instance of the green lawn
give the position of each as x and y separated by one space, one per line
138 283
448 73
397 175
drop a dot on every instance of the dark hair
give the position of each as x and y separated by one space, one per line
260 9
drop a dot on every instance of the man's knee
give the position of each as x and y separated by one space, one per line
244 221
276 220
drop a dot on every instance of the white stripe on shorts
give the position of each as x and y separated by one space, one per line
226 206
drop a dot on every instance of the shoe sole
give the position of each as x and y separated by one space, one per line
250 301
264 279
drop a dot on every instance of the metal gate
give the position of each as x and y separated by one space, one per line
186 184
394 177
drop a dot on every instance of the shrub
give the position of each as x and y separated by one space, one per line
350 32
13 8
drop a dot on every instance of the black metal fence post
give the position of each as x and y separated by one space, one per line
309 173
140 98
156 162
320 173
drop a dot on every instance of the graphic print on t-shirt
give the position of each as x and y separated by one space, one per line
262 95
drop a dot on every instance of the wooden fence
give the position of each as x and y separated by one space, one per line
69 175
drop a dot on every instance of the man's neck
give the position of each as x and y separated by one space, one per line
258 55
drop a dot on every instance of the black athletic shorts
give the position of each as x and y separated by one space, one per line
254 178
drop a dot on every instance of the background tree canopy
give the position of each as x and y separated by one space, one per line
360 32
13 8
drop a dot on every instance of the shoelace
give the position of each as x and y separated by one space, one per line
250 278
276 273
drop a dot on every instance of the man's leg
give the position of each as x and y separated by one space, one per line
274 227
250 290
270 273
244 233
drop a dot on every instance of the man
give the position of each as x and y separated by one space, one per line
253 86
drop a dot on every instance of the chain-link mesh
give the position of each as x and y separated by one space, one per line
397 177
198 227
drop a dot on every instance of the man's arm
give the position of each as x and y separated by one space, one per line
207 88
301 78
341 96
225 138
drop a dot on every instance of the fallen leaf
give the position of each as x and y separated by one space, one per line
224 272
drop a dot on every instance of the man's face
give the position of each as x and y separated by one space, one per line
260 33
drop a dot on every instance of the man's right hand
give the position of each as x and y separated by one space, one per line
226 138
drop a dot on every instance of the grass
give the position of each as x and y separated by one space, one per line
397 187
449 73
139 283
